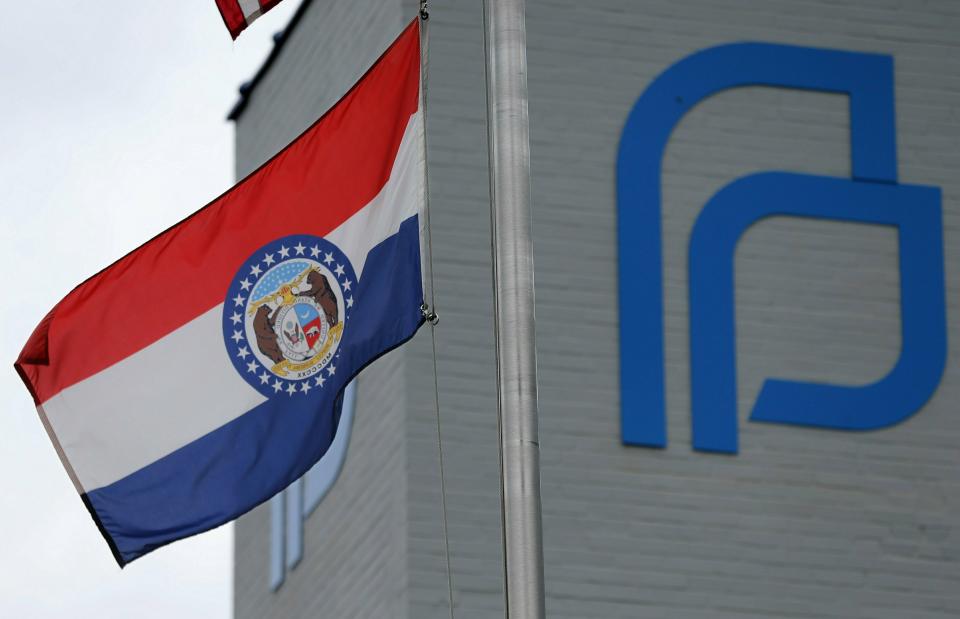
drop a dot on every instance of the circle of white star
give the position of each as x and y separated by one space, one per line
273 256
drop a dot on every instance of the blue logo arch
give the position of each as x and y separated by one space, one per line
873 196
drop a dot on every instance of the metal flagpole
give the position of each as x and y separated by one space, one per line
509 144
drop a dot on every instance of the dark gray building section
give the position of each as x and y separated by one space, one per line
801 523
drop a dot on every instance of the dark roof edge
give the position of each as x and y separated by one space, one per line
279 40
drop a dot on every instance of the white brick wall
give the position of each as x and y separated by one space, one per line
802 523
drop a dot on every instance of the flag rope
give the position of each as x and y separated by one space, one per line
430 311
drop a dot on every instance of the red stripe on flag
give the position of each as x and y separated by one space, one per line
313 185
232 16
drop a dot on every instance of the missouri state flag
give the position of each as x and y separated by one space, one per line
202 373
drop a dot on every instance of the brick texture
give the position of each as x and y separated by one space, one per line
801 523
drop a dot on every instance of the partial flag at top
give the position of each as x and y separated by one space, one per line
238 14
203 372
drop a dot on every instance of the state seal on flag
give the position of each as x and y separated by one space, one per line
286 312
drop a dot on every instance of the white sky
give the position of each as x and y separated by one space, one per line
111 129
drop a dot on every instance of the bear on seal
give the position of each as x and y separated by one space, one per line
321 293
263 323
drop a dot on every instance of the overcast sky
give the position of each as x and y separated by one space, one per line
112 130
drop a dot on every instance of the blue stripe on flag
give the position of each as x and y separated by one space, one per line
245 462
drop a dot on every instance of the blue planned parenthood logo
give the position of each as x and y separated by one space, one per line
872 195
285 315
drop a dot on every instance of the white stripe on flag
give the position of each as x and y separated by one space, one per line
251 9
184 385
153 402
399 200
